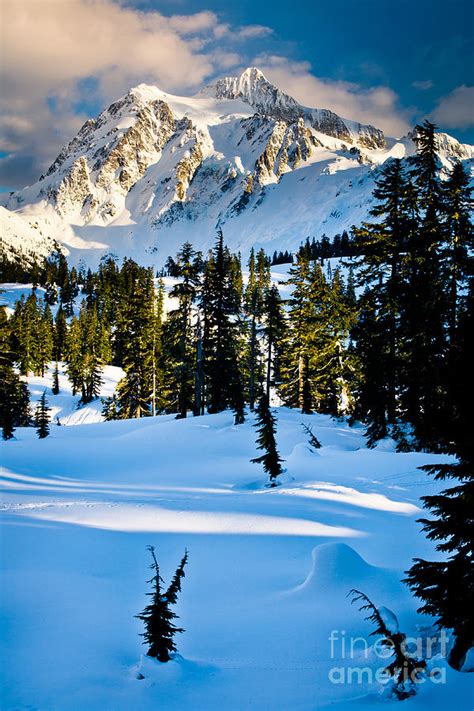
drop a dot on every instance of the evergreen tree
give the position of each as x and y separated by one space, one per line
135 337
59 334
404 669
423 374
382 244
160 629
44 339
178 331
312 439
220 303
14 399
266 427
457 252
42 417
26 327
295 367
73 355
254 296
446 587
274 330
55 388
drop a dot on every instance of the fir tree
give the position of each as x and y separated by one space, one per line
404 669
274 330
42 417
296 388
423 374
446 587
266 427
110 408
14 399
382 244
138 320
457 252
160 629
55 388
312 439
59 334
178 332
44 339
220 303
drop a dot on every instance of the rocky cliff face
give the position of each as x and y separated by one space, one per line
253 88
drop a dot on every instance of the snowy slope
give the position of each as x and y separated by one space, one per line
267 580
24 238
65 407
154 170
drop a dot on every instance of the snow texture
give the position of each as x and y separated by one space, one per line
268 574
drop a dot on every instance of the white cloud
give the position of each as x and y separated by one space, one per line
423 85
48 46
377 106
253 31
456 110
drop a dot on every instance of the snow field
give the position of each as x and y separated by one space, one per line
268 575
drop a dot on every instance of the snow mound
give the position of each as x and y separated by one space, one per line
336 565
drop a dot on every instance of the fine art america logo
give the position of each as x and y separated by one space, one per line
362 662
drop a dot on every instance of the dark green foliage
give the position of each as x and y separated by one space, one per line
312 439
157 616
378 330
274 331
14 399
220 303
266 428
32 336
179 336
446 587
55 388
42 417
137 341
59 334
404 669
314 360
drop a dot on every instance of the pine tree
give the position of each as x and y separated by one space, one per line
74 356
110 408
423 372
312 439
178 331
14 399
295 367
382 245
274 330
55 388
404 669
42 417
446 587
160 629
135 337
220 303
26 329
44 339
456 254
266 427
60 334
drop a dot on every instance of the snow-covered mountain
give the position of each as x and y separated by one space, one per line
154 170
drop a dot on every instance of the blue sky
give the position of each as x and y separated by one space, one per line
386 62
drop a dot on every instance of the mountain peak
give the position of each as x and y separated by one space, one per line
253 73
